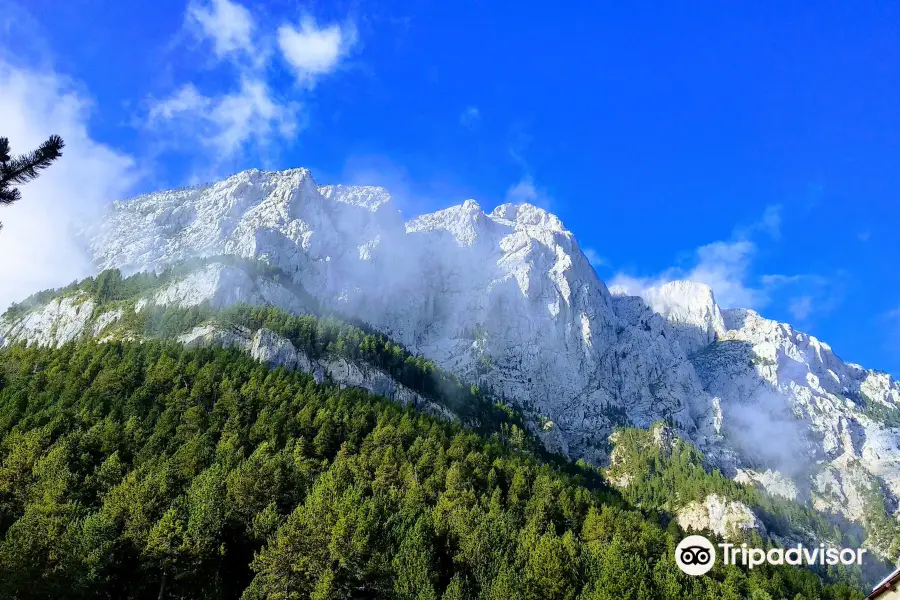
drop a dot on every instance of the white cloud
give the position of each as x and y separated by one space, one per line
777 281
312 51
771 221
722 265
252 113
725 266
807 294
470 117
594 258
245 116
227 124
185 100
801 307
227 24
627 285
525 191
34 105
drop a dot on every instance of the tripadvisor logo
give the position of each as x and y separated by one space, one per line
696 555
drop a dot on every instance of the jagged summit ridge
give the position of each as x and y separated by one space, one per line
484 293
250 214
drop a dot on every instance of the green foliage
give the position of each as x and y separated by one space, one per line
146 470
315 335
17 170
762 361
670 477
886 415
879 522
320 336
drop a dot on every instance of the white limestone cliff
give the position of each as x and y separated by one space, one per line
726 518
60 321
691 310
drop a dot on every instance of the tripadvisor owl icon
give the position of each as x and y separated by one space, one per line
695 555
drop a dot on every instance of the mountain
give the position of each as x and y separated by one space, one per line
507 301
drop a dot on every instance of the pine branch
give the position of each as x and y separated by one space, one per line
8 196
23 169
4 150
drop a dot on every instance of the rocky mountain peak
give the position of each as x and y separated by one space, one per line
691 310
373 198
528 215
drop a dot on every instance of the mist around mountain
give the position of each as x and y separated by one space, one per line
506 308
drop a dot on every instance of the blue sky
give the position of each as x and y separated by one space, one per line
752 147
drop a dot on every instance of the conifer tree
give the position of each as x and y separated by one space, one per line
18 170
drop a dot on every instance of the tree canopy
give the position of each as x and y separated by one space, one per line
145 470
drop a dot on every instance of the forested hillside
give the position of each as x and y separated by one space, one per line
671 476
144 470
316 333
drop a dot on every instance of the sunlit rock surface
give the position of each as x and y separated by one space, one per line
723 517
60 321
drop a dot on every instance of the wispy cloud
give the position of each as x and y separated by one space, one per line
226 124
801 307
229 26
33 105
595 258
185 100
245 116
525 191
808 295
313 51
725 266
470 117
722 265
771 221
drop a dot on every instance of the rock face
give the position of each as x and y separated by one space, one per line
222 285
274 350
56 323
105 320
788 403
725 518
774 482
507 300
691 311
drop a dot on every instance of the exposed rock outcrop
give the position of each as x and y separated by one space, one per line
59 321
726 518
274 350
